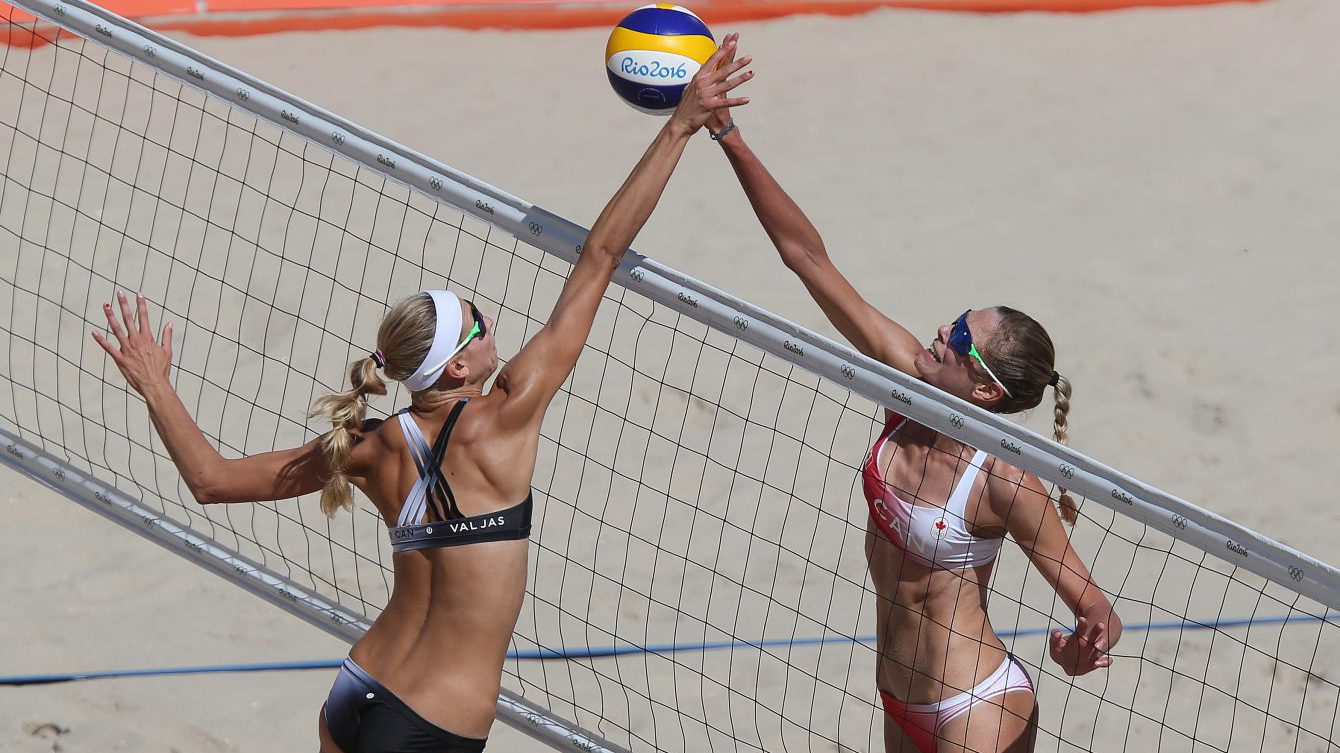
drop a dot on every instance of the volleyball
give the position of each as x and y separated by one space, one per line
653 54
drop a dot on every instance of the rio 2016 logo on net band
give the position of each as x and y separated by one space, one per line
655 69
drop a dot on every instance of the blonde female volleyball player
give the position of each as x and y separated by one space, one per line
427 674
939 510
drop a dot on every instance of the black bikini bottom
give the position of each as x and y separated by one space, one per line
364 717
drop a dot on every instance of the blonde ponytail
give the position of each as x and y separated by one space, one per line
345 411
1068 509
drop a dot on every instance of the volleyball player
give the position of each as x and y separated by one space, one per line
939 509
450 474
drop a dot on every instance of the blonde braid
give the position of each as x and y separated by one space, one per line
345 411
1069 510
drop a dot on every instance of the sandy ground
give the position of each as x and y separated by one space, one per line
1153 185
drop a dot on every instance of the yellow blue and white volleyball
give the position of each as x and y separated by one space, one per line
654 53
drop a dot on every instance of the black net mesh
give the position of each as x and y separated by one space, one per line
698 573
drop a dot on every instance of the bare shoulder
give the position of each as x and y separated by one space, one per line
371 430
1004 479
509 390
1014 490
484 414
369 444
508 409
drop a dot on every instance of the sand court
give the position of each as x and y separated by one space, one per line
1149 184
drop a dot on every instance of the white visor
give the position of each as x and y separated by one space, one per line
449 320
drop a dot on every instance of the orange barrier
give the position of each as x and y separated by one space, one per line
320 15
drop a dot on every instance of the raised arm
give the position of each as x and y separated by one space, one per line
531 379
145 363
802 251
1036 527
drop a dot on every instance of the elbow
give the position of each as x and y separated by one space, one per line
205 495
206 490
607 257
802 259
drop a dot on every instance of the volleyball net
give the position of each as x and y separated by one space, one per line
698 577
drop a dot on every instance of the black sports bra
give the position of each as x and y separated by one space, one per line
431 501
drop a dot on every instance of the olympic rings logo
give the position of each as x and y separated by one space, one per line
536 229
243 94
60 10
1067 470
1179 522
338 138
1296 573
956 420
150 51
435 183
741 323
637 274
848 371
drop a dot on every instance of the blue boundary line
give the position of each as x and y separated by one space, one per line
608 651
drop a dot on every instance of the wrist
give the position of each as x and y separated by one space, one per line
719 134
155 390
679 129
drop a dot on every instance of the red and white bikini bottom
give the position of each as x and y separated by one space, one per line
922 722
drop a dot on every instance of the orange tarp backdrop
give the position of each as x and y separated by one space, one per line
229 17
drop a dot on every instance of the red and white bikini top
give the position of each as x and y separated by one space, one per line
933 536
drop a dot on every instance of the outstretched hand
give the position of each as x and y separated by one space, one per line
141 358
721 115
706 94
1083 650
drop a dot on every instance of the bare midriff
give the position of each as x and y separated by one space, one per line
933 634
441 641
934 637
